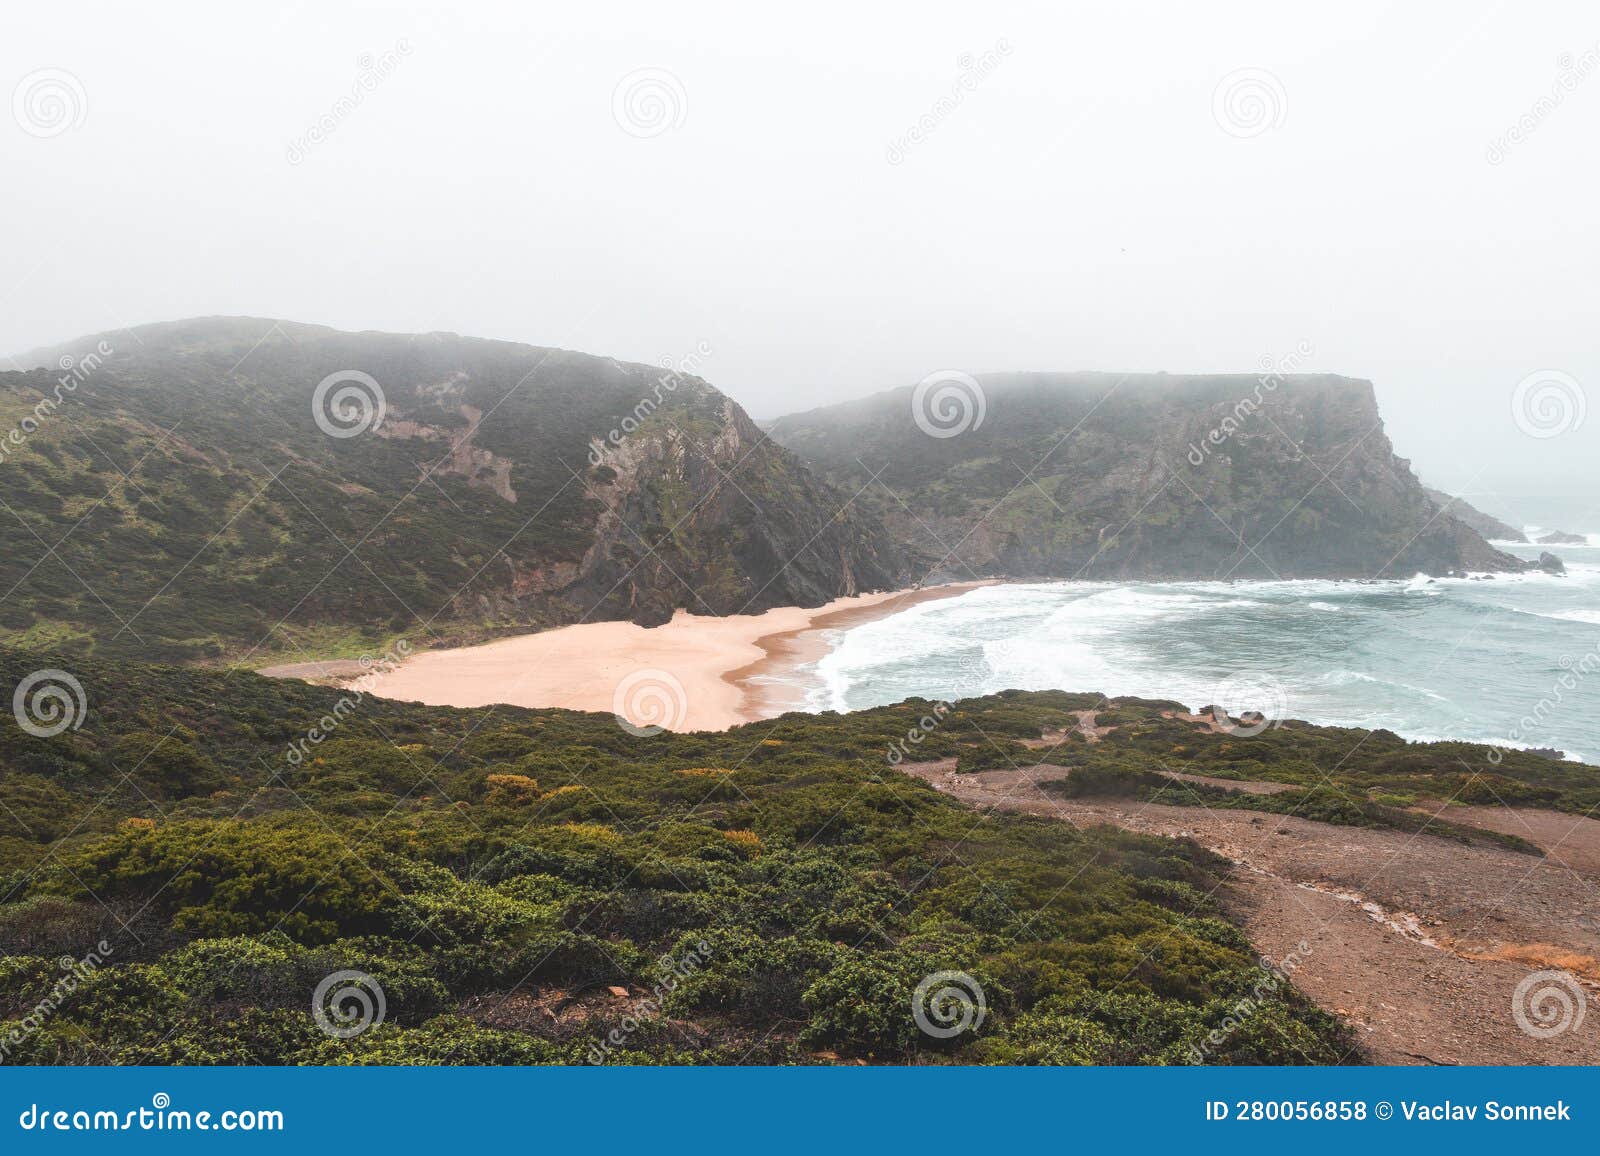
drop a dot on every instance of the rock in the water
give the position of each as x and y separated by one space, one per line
1550 564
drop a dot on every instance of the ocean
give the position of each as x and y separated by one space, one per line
1509 659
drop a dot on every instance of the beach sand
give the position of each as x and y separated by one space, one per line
693 673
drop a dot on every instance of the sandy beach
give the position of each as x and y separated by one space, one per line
696 672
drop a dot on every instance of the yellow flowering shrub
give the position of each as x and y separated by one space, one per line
512 790
596 831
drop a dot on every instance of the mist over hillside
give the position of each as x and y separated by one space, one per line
243 487
1139 475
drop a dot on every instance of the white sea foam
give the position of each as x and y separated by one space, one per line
1589 616
1344 677
1424 584
1420 657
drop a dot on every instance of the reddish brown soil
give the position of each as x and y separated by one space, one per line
1417 941
1567 839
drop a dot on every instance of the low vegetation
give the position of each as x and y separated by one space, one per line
187 502
499 872
1336 774
546 887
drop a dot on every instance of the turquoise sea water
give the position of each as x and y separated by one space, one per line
1513 660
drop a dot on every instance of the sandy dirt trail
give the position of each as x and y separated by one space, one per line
1417 941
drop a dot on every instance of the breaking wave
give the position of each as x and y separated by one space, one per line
1463 658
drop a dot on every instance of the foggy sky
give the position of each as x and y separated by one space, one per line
1079 194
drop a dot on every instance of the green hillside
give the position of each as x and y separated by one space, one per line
170 494
1098 475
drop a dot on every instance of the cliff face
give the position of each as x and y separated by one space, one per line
233 487
732 512
1145 476
242 487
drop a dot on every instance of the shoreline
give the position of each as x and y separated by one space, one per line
789 650
692 673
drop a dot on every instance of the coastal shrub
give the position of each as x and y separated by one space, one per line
824 883
1041 1038
225 878
510 790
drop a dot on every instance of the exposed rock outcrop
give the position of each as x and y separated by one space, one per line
452 488
1488 526
1143 476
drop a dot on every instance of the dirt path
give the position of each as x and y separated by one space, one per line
1568 839
1418 942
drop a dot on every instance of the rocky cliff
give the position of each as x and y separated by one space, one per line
1143 476
263 490
1490 527
243 488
